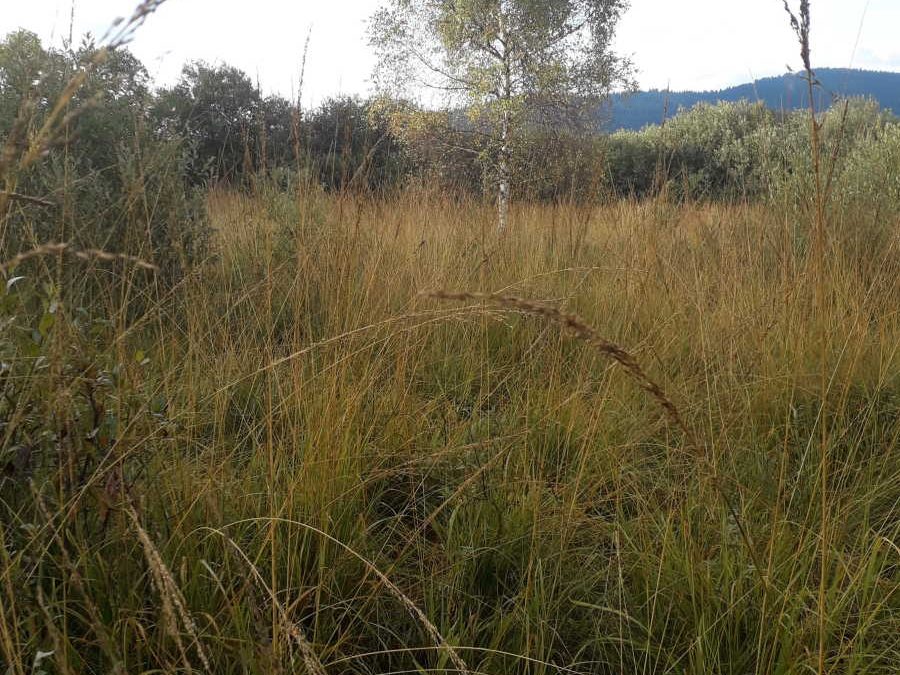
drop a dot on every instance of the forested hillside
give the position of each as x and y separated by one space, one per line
788 92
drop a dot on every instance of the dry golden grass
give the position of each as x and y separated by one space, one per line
318 466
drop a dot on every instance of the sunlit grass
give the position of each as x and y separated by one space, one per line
335 470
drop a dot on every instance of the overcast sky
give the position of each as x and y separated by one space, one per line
684 44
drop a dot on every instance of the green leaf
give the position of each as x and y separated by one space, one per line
46 324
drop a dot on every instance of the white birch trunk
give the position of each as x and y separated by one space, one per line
503 171
503 163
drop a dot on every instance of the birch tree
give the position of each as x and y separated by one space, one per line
511 64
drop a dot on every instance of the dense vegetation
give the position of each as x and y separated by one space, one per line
242 431
634 111
216 126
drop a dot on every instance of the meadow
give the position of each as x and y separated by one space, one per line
295 405
296 459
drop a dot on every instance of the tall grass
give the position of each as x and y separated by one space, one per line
296 459
295 456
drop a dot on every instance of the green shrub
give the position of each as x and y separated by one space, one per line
745 151
113 182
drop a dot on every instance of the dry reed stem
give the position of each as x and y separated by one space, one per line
458 663
543 665
802 27
169 592
27 199
54 248
583 331
435 317
417 613
310 659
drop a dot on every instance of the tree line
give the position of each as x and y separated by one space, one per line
215 126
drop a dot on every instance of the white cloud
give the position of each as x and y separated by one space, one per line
685 44
702 44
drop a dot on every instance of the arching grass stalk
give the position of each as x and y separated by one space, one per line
585 332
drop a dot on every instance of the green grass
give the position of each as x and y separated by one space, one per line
268 466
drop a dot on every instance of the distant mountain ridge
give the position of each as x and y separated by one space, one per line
787 92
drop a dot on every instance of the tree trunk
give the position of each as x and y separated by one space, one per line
503 162
503 170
